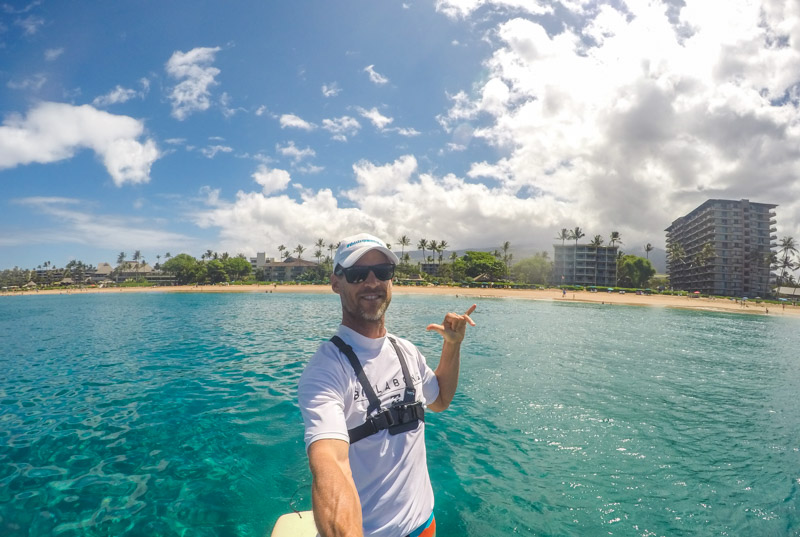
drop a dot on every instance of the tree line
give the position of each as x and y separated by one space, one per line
497 265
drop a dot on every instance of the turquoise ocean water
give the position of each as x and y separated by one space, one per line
169 414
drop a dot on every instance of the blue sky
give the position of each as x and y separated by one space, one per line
184 126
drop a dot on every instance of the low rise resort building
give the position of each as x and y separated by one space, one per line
586 265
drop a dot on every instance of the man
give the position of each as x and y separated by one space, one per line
362 397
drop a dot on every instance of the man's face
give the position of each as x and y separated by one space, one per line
368 300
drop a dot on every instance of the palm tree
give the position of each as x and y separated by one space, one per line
318 255
403 242
615 238
596 243
506 259
320 244
331 248
675 254
299 249
137 257
442 246
281 248
575 235
421 245
704 256
788 247
120 263
647 249
433 246
563 235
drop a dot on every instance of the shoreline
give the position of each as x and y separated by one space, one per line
628 299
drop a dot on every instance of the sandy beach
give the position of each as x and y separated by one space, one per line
628 299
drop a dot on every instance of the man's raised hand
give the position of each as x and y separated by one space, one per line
454 325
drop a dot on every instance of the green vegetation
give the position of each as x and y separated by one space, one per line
533 270
634 271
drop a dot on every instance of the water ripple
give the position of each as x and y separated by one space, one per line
175 415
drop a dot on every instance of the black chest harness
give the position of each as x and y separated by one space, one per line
401 416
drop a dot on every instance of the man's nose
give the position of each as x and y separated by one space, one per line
371 278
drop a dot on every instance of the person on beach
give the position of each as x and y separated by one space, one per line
362 397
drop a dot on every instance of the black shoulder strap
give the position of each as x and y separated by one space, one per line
411 393
347 350
397 418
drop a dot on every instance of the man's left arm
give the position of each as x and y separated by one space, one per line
452 330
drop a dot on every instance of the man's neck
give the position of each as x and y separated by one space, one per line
370 329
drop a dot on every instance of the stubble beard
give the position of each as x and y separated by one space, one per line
379 313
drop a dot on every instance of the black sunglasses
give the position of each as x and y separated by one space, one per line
359 273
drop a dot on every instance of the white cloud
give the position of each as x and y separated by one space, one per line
294 152
633 118
341 127
331 90
389 200
374 76
30 25
52 54
74 222
295 122
405 131
271 180
56 131
225 105
379 120
196 74
115 96
32 83
212 150
464 8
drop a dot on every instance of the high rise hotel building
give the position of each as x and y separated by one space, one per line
742 237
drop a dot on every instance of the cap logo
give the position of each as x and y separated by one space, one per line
360 240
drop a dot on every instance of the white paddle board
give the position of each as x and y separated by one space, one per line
298 524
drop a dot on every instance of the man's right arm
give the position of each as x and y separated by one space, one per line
337 508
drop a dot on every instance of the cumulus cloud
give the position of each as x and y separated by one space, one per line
295 153
632 118
624 119
341 127
374 76
379 120
196 75
388 199
271 180
294 122
55 131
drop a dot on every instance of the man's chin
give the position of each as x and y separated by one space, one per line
376 315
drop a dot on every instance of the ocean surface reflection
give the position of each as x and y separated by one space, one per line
168 414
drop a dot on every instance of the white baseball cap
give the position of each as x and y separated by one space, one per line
352 248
